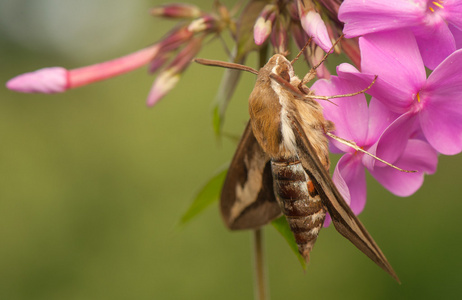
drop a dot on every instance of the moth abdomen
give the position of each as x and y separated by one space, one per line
301 205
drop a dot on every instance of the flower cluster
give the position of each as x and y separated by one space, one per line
410 118
185 40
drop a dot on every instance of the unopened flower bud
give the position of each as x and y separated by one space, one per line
168 78
176 10
206 23
175 39
279 37
163 84
57 79
264 24
48 81
314 26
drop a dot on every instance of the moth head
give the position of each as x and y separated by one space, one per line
279 65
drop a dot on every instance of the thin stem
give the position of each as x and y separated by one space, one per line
260 284
260 287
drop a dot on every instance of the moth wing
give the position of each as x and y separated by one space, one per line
247 197
345 221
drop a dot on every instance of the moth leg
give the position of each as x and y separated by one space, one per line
312 73
353 145
301 51
344 95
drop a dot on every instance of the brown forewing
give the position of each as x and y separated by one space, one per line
343 218
247 197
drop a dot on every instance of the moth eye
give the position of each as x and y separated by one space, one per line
285 75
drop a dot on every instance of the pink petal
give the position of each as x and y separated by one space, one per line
419 156
441 114
350 168
457 36
363 17
350 114
453 12
395 58
442 126
380 117
445 80
341 185
392 141
47 80
436 45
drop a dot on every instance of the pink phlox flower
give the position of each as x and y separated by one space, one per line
434 103
429 21
377 130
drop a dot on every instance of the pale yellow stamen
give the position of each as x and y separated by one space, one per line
437 4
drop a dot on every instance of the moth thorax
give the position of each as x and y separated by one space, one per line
283 68
299 202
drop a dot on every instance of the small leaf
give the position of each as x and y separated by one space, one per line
244 35
207 195
244 45
225 92
281 225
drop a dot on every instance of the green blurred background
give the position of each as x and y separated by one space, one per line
92 182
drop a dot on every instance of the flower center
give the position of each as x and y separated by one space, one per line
435 5
419 102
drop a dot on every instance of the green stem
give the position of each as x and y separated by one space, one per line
260 287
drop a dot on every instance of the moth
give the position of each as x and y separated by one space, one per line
281 165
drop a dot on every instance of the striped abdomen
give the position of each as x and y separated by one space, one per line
299 202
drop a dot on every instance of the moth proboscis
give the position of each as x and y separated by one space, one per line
281 164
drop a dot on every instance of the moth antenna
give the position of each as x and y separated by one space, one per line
312 73
353 145
344 95
301 51
223 64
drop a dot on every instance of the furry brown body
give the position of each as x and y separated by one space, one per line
272 109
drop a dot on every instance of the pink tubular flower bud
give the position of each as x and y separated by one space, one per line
279 37
159 61
314 26
163 84
47 81
206 23
176 10
57 79
168 78
175 38
264 24
112 68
